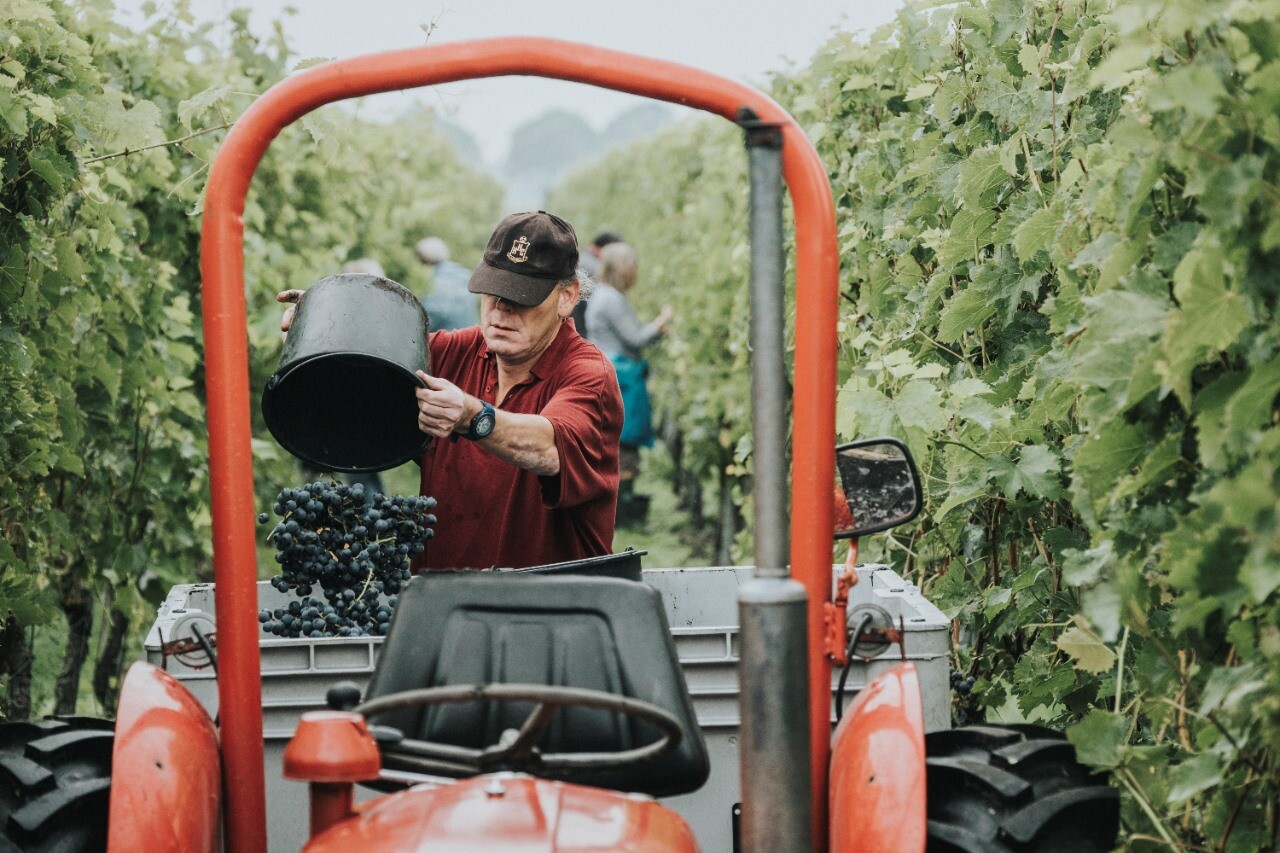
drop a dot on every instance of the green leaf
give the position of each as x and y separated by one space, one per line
1193 88
1199 773
52 169
981 177
1038 470
1085 648
199 103
1082 568
1100 739
1037 232
1200 287
134 127
43 108
1102 458
920 91
310 62
965 313
1121 67
1035 473
1029 58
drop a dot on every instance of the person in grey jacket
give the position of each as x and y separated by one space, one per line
612 325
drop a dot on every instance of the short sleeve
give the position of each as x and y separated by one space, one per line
586 415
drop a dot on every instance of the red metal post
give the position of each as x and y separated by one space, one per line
226 347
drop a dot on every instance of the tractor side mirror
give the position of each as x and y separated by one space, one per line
878 488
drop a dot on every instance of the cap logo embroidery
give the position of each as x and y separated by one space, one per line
519 250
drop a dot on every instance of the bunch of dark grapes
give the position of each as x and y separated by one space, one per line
961 684
352 545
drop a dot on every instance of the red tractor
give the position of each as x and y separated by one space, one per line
548 711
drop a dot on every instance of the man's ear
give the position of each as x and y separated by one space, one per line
568 299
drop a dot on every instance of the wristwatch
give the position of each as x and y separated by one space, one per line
482 424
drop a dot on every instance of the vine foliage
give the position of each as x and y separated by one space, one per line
106 136
1060 229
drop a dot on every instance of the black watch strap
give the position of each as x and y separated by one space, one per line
482 424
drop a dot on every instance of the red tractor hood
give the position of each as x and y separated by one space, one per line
512 813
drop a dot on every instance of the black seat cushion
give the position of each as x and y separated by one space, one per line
458 628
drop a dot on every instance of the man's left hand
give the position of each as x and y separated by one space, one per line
443 407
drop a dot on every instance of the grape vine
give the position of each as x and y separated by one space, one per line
1059 241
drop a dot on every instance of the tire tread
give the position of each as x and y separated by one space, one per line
1015 789
55 781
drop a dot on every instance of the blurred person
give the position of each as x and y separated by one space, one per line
449 305
621 336
590 263
367 266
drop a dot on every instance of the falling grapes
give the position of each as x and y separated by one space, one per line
352 547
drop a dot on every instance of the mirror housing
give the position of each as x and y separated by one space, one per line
877 487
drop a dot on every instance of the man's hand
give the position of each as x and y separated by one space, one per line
291 297
526 441
443 408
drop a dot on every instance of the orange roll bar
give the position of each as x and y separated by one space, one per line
227 366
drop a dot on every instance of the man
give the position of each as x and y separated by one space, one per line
449 304
526 413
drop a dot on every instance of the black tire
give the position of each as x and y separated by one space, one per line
1015 789
55 781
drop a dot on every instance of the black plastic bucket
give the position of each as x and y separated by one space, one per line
343 397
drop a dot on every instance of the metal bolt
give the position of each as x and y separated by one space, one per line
495 788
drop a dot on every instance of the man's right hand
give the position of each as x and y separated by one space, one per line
291 297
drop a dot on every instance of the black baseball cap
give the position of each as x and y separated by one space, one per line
526 256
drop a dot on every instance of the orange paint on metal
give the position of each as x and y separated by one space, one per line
331 750
331 746
878 770
164 768
227 367
510 812
331 803
837 618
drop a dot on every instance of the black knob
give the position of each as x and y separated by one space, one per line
342 696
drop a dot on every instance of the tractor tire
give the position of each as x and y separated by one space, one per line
55 781
1015 789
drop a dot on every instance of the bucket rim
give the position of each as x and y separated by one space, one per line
284 372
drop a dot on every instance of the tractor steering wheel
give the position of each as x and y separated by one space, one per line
517 749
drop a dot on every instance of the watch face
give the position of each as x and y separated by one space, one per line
483 424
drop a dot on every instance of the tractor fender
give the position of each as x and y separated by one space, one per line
166 774
509 811
877 790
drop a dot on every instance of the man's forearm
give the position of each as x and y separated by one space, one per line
526 441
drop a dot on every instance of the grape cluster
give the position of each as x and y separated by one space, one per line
961 684
352 544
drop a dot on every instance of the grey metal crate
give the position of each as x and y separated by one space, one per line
702 610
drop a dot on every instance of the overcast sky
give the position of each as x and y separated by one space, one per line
740 39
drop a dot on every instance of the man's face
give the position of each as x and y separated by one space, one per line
519 335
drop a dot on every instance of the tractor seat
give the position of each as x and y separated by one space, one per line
461 628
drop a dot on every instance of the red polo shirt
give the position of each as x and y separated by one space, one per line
491 513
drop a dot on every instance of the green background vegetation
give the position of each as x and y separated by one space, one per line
1060 228
106 136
